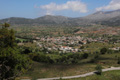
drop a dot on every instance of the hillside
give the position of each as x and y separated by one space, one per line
102 17
17 20
112 22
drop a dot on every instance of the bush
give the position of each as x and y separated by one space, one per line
92 60
68 58
82 47
118 60
96 56
27 50
103 50
85 55
99 69
40 57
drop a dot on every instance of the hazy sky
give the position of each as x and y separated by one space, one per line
69 8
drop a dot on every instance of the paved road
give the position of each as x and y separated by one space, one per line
83 75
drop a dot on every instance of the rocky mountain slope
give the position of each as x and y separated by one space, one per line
101 17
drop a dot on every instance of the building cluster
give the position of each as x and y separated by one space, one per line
66 44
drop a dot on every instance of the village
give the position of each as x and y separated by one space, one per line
67 44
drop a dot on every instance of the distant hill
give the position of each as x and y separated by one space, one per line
17 20
102 17
48 19
111 22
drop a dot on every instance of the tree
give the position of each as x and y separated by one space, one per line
103 50
26 51
85 55
6 25
118 60
7 38
12 63
99 69
82 47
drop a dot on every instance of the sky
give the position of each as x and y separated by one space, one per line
68 8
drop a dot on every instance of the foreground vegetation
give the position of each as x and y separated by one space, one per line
110 75
15 60
42 70
54 64
12 62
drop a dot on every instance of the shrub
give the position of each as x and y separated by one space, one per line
85 55
103 50
99 69
118 60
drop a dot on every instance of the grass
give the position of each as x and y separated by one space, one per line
96 46
109 59
21 39
40 70
109 75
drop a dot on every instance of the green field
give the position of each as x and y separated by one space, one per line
96 46
42 70
110 75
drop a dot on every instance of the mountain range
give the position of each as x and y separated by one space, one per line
111 18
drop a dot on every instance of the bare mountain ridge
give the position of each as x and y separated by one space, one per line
96 18
103 15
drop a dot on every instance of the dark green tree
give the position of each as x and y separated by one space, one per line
6 25
12 62
85 55
99 69
103 50
118 60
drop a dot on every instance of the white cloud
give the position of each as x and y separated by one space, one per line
113 5
75 5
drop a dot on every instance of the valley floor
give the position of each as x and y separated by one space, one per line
40 70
